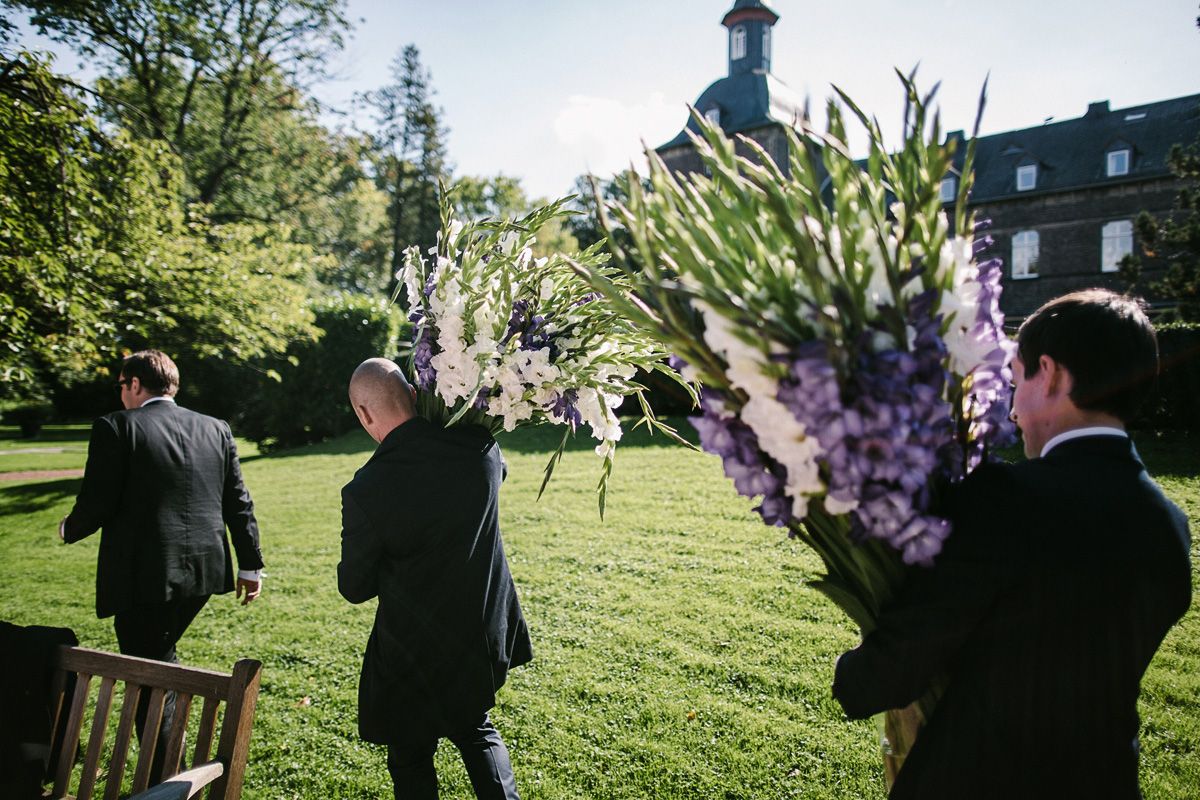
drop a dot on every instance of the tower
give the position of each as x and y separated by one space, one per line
750 100
750 23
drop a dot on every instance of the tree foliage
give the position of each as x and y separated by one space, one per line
98 254
502 196
221 82
410 154
1175 239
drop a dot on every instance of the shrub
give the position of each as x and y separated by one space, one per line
28 416
301 397
1176 404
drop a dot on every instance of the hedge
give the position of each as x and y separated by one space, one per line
301 397
1176 403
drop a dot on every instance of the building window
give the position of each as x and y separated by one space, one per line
1025 255
1026 177
1118 162
949 190
713 116
1116 242
766 44
737 43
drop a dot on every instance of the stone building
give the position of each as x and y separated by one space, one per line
1061 196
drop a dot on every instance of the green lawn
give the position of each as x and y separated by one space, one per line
678 652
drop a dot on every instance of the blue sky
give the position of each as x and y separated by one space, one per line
547 89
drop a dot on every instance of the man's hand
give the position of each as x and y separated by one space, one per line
252 589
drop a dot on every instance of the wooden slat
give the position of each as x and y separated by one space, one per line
234 746
208 724
183 707
144 671
57 690
149 740
96 741
116 769
66 759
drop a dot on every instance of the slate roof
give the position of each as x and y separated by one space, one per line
1072 154
747 101
749 5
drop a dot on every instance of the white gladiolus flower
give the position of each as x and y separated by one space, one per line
967 342
779 434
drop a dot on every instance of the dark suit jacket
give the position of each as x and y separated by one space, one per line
1057 585
421 531
163 482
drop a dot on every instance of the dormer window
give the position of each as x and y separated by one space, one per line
766 53
737 43
713 116
1118 162
1026 177
948 191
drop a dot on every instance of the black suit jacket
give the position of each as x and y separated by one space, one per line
1057 585
420 531
163 482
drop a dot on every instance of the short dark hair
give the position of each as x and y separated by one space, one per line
154 369
1104 340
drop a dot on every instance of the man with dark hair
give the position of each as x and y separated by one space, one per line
163 483
1061 578
421 531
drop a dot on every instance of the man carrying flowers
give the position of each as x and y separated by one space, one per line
420 531
1061 578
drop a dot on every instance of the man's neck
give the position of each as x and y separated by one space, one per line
158 398
1083 424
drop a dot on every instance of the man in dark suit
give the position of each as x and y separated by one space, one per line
421 531
1061 578
163 483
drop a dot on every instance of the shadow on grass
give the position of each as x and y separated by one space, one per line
1169 454
537 439
10 436
29 498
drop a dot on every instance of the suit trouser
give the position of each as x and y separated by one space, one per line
151 630
483 754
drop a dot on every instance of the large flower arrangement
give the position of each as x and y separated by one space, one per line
848 342
504 339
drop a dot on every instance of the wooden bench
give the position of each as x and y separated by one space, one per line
238 691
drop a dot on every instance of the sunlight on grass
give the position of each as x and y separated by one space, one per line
677 652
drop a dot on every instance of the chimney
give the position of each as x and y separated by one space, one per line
1096 109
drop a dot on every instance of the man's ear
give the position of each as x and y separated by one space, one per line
135 385
364 416
1058 379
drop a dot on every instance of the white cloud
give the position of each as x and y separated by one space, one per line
607 135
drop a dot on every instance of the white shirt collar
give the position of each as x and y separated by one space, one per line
1100 430
162 398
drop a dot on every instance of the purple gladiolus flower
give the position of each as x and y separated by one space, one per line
423 353
564 407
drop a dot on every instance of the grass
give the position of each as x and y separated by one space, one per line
678 653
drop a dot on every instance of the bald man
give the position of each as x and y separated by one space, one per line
420 531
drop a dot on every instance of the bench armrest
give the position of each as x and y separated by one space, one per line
185 784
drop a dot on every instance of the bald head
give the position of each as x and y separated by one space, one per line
381 396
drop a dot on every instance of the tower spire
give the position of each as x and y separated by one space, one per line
749 23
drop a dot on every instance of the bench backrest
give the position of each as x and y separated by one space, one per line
238 691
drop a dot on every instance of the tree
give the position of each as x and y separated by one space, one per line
585 226
221 82
62 186
1175 239
483 197
98 254
410 153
